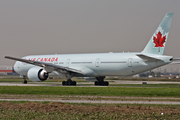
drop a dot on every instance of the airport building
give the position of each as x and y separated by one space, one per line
7 70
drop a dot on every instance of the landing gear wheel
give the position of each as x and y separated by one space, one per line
64 83
69 83
24 82
106 83
102 83
96 83
74 83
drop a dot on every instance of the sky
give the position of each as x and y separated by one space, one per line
33 27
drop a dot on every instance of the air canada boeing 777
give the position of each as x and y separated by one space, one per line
95 67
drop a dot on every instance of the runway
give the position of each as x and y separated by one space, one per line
97 101
88 84
30 84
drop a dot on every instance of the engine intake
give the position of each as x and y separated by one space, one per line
37 74
42 74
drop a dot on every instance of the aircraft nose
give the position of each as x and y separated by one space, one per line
17 67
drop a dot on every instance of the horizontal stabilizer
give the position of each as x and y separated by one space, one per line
147 58
175 59
174 63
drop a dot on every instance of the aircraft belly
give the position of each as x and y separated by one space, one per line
110 69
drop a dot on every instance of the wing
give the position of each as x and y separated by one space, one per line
47 66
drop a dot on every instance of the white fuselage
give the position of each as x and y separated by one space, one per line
99 64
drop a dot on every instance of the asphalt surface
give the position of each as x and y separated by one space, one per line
30 84
98 101
81 83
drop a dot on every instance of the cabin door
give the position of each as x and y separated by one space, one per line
130 62
67 63
97 62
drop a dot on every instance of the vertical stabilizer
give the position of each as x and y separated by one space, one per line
157 42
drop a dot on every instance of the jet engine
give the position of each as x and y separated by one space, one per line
37 74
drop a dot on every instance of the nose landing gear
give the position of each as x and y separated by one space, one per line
24 80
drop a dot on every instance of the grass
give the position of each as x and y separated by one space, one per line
100 91
17 102
27 115
137 90
24 115
17 114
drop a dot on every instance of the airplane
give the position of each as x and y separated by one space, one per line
95 67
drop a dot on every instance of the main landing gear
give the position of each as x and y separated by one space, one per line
101 81
24 80
69 82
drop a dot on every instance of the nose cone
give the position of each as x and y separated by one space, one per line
17 67
20 68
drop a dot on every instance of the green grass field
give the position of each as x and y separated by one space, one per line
101 91
144 90
36 115
136 90
97 111
27 115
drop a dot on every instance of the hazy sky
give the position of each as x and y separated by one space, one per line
30 27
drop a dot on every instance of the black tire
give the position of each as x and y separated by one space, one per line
64 83
69 83
96 83
74 83
106 83
24 82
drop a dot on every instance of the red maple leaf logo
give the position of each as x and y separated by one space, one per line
159 41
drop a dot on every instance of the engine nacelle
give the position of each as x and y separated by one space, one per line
90 79
37 74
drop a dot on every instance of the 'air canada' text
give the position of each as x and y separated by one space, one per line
53 59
